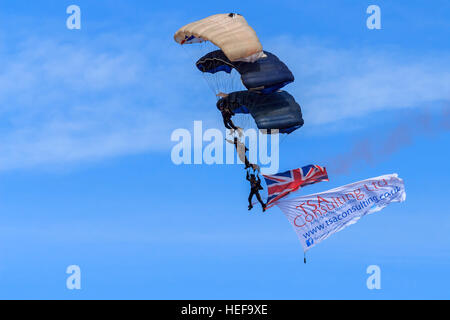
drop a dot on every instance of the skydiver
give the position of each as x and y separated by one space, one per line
242 152
255 184
227 113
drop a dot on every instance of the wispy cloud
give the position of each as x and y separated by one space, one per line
338 84
65 102
62 102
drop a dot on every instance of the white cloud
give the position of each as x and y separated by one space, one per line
63 102
338 84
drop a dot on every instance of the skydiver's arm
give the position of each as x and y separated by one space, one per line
222 95
248 177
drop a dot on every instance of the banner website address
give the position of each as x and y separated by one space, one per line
357 207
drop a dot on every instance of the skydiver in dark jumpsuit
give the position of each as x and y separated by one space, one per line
255 184
227 113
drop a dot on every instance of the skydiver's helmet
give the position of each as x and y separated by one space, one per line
221 104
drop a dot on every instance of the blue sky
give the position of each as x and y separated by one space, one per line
86 176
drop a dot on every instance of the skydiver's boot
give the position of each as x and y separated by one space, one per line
250 207
264 208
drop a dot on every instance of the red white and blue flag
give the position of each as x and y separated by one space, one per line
282 184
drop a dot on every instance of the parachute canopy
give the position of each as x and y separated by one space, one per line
275 111
230 32
266 75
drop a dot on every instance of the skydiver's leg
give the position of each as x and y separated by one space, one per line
250 197
231 124
258 196
225 122
247 163
240 132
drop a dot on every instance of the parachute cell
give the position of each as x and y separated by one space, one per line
266 75
275 111
230 32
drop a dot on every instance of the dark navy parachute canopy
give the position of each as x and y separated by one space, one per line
275 111
265 75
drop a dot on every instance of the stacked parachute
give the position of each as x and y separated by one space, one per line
251 78
241 55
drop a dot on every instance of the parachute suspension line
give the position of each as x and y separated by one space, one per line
191 55
220 81
195 52
283 138
215 80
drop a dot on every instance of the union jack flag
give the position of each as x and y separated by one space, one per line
281 184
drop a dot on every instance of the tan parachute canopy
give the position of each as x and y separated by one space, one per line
230 32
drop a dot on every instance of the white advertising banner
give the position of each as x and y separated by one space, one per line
316 217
